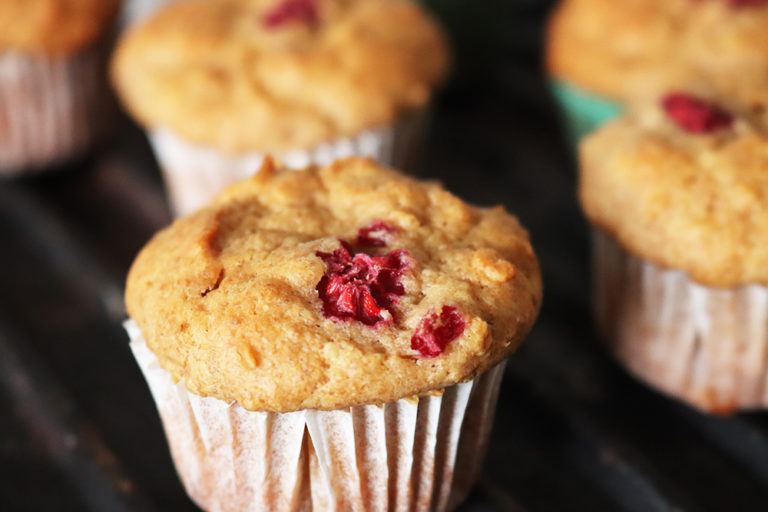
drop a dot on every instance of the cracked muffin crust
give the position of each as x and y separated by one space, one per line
683 182
638 49
275 75
53 27
332 287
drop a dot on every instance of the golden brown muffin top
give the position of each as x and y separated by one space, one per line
276 75
683 183
332 287
53 27
630 49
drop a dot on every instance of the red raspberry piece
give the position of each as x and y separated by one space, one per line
375 234
745 3
304 11
360 287
435 331
694 115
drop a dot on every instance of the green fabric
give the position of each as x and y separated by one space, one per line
583 111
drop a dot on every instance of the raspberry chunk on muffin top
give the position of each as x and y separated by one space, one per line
684 183
694 115
288 11
301 290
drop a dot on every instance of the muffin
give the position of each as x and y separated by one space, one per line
602 54
331 339
678 194
52 84
218 85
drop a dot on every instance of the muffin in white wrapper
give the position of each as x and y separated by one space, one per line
51 108
219 85
415 454
370 349
194 174
677 190
705 345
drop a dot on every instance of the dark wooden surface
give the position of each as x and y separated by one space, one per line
78 429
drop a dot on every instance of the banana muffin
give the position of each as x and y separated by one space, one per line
678 193
218 85
603 54
332 338
53 93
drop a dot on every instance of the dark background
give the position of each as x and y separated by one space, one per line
78 429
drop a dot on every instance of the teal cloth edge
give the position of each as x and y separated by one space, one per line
584 111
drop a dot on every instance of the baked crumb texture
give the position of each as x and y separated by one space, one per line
683 182
53 27
639 49
331 287
277 75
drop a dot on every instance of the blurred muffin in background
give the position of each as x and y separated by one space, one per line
604 53
219 84
53 93
331 339
678 193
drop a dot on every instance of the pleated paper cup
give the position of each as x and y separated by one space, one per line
583 112
415 454
51 108
195 174
707 346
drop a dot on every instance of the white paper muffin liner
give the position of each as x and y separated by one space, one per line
196 174
51 108
705 345
417 454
